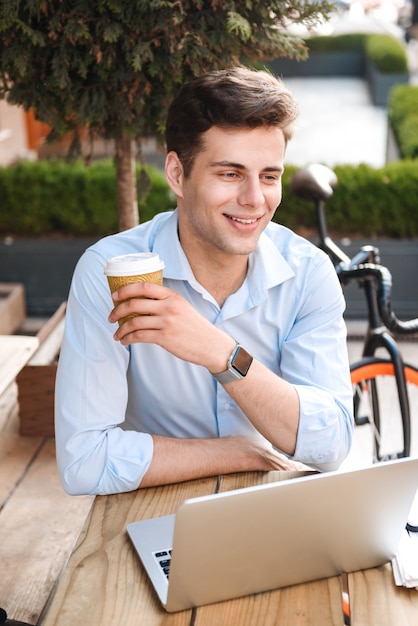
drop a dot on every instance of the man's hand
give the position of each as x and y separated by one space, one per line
268 457
165 318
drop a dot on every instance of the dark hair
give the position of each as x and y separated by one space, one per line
233 98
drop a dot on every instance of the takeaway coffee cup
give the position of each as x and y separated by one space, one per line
137 267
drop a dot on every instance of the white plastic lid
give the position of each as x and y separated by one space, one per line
135 263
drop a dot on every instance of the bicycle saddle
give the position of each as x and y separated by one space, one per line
314 182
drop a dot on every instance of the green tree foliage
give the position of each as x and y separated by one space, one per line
114 65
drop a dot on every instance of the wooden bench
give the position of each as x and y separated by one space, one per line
15 352
12 307
36 381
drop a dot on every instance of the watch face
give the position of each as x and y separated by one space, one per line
242 361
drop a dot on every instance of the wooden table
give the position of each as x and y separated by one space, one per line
104 583
15 352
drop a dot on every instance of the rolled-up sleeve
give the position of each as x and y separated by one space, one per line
314 358
94 454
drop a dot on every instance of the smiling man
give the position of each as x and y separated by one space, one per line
239 361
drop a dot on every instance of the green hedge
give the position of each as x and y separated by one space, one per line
387 53
403 118
70 199
350 42
367 202
60 197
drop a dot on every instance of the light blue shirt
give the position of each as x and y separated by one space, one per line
110 398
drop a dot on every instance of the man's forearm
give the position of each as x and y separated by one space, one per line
176 460
270 403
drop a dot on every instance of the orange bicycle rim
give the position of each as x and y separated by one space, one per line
381 368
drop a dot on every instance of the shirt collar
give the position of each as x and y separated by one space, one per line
167 245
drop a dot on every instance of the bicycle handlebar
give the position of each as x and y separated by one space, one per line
317 182
383 279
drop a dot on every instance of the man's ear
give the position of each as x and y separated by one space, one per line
174 173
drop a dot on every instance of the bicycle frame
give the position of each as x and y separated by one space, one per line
316 183
379 337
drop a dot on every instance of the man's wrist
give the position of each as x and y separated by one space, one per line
238 364
221 356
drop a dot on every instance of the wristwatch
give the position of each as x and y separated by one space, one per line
238 365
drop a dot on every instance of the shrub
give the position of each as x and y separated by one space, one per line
403 118
384 51
159 198
387 54
350 42
60 197
367 202
52 197
408 137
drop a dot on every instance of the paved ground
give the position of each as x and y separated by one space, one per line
337 123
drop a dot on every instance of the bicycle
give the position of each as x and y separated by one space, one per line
373 376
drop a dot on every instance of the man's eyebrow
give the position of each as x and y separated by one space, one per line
237 166
274 168
240 166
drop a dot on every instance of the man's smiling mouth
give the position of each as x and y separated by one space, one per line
242 220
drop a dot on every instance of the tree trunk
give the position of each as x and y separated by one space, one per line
126 183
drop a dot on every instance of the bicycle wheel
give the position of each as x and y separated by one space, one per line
377 408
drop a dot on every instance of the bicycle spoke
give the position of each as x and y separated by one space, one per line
365 414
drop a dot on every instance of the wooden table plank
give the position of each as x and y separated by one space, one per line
8 406
249 479
294 606
15 352
39 526
376 600
16 453
104 556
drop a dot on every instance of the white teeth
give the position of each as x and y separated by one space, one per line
242 221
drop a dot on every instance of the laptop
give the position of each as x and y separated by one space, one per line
274 535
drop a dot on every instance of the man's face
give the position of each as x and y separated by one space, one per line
232 192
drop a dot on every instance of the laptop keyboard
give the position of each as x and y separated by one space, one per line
163 558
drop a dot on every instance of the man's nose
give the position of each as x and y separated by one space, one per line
251 193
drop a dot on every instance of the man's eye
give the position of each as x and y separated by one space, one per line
271 178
